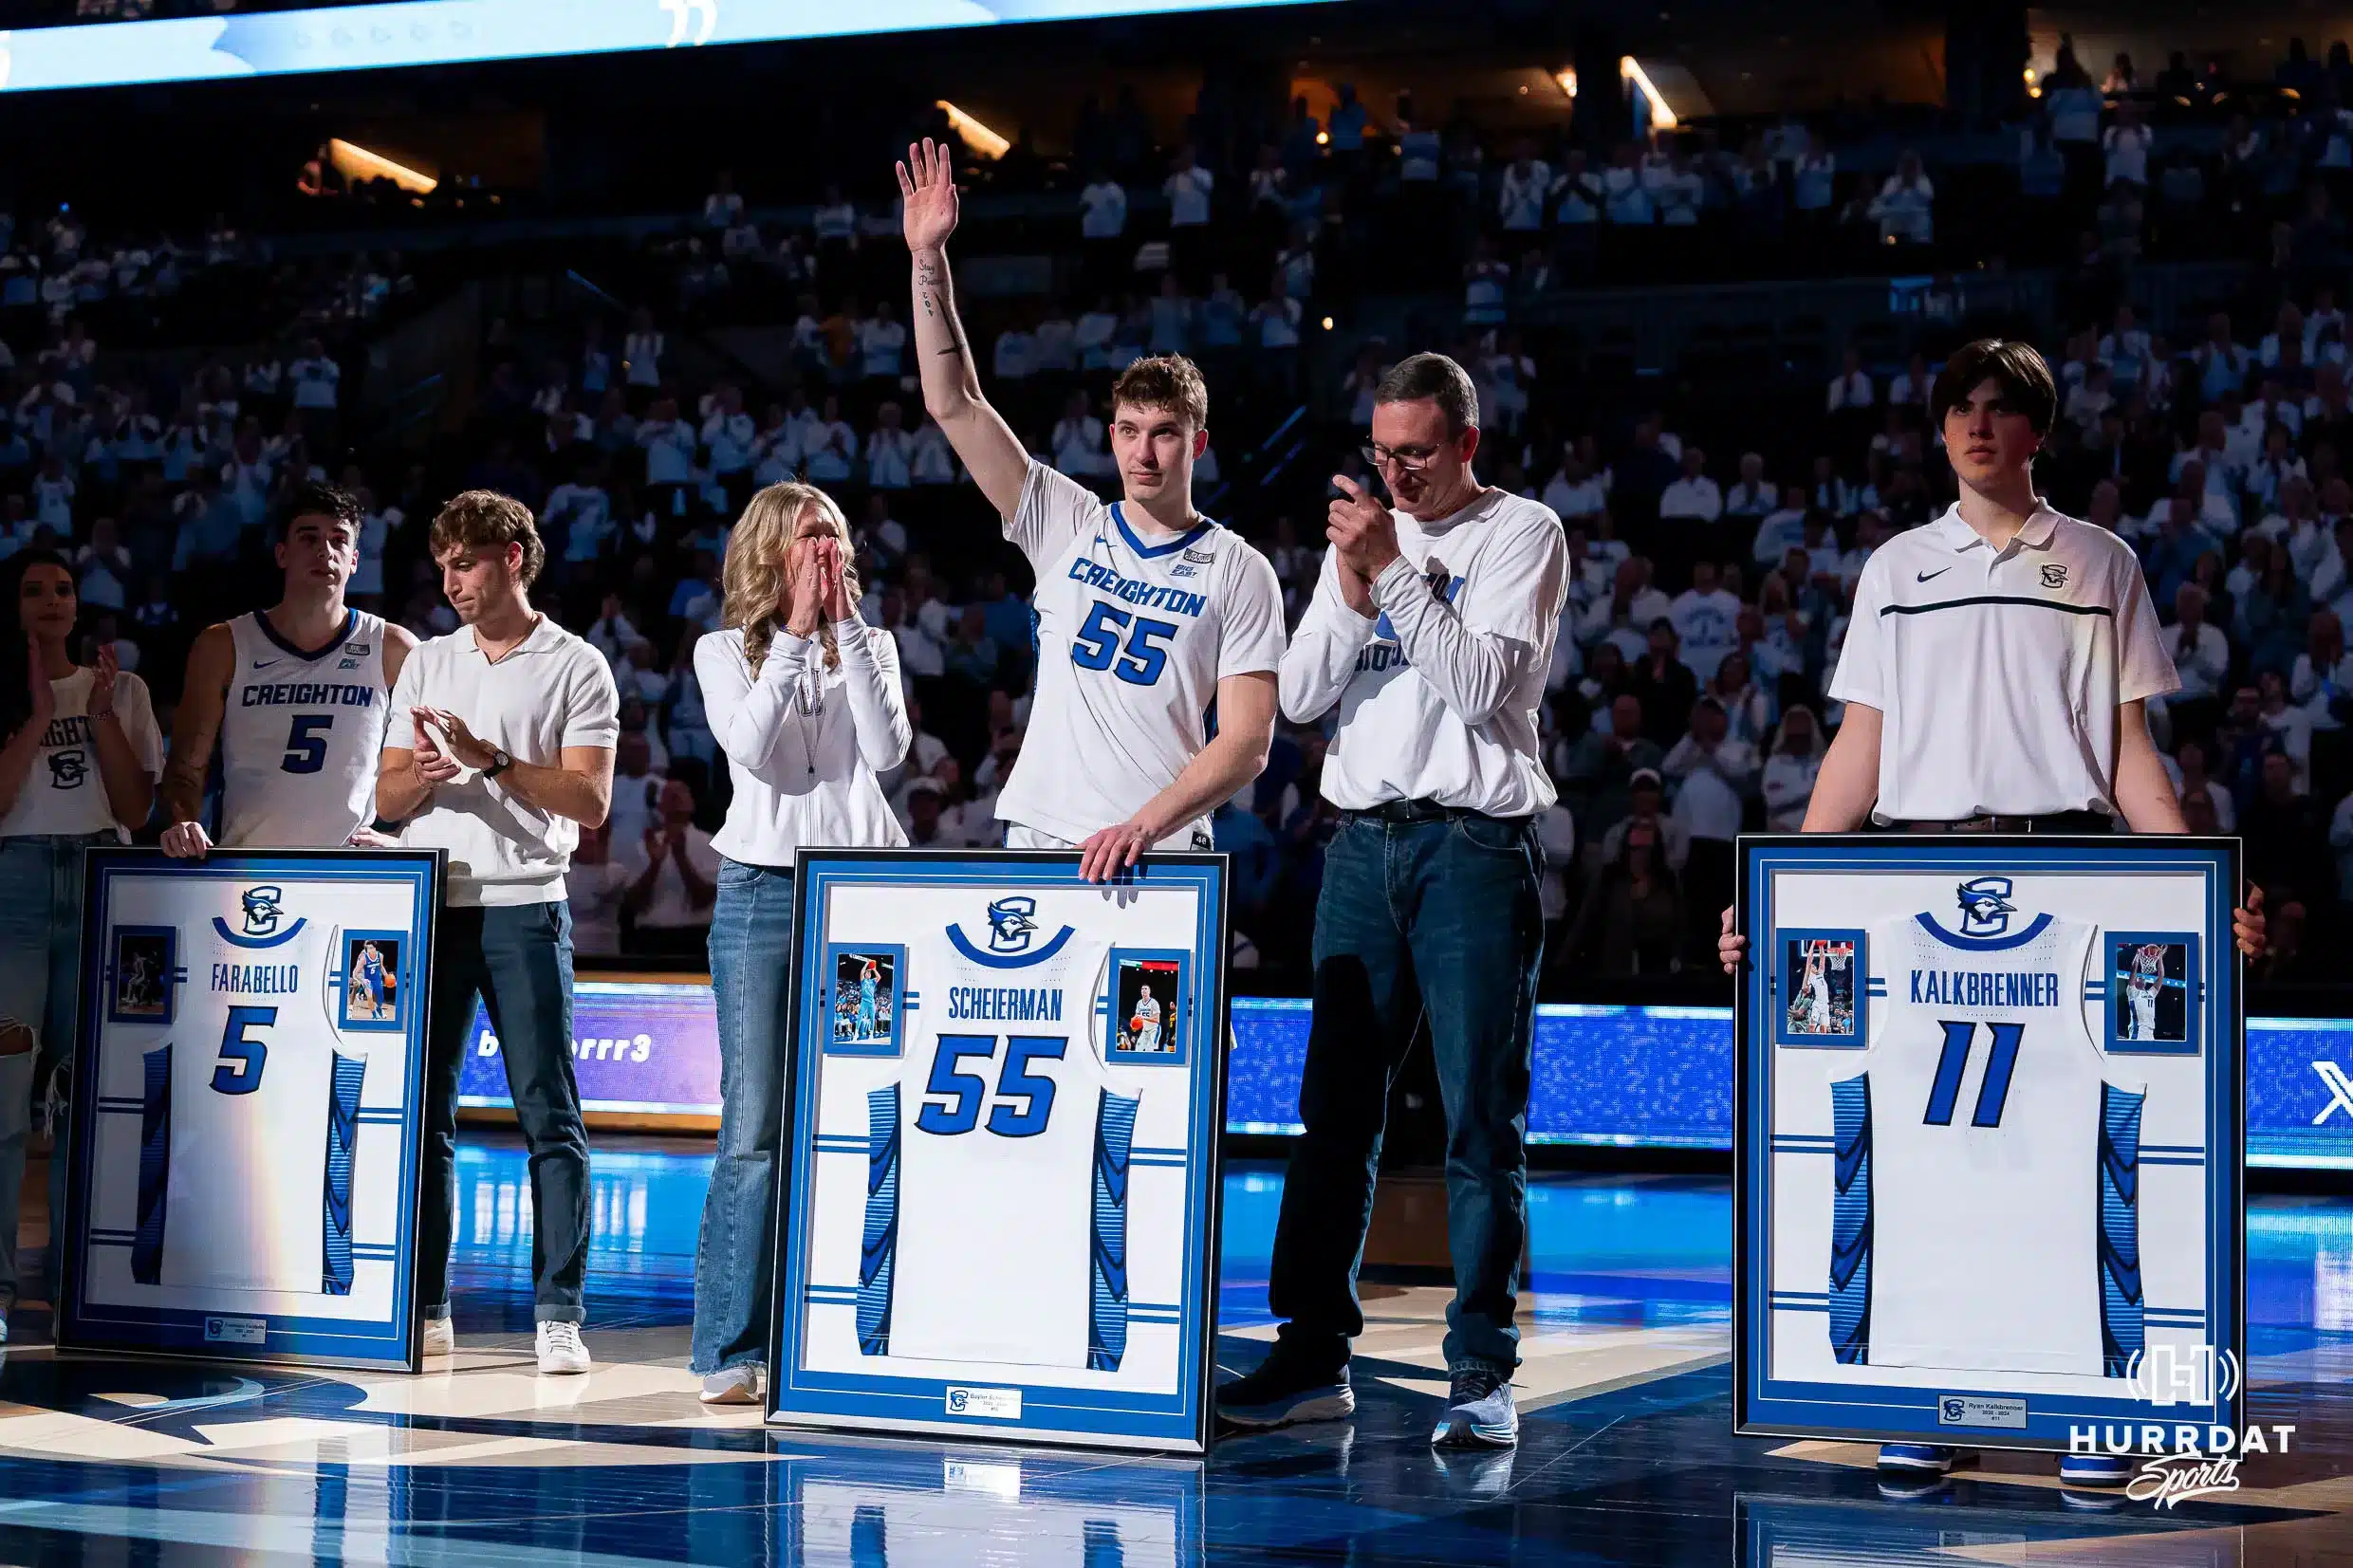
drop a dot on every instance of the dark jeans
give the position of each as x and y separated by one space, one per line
518 958
1439 920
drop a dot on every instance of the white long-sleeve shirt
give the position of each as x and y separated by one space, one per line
805 742
1438 693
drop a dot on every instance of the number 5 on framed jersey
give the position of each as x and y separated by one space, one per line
247 1096
1001 1214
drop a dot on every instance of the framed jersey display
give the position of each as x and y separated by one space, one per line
1000 1215
1988 1135
247 1105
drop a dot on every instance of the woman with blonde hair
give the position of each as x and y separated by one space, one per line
804 701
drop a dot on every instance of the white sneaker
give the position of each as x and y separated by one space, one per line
560 1348
737 1385
440 1338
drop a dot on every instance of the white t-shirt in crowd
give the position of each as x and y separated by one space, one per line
1104 214
63 792
668 907
1188 196
1438 693
1999 675
550 692
595 893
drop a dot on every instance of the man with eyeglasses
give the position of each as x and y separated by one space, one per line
1431 631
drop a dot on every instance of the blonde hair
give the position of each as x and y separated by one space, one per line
756 583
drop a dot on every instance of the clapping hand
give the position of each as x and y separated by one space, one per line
839 606
806 605
434 762
1362 530
104 671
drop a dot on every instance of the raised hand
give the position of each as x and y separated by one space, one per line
927 186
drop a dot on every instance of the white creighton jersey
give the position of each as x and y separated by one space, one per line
1438 693
997 1206
249 1116
1132 639
302 736
1988 1172
1999 674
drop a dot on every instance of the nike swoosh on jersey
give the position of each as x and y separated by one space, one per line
266 663
1939 572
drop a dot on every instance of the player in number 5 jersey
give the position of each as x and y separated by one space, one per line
1147 612
298 695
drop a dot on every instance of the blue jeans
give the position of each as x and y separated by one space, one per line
518 959
1436 920
39 985
751 964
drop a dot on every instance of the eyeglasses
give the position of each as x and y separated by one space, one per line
1408 459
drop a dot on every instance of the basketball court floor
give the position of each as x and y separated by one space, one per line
1626 1453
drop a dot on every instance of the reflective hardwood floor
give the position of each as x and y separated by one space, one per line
1626 1453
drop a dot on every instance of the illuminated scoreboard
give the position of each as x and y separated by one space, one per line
444 32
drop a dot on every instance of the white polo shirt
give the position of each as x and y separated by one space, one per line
549 692
1999 674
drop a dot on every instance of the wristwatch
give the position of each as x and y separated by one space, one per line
500 761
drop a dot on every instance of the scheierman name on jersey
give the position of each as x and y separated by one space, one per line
257 978
1984 988
307 694
1019 1003
1144 595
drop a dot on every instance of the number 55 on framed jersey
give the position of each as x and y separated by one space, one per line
247 1105
1000 1215
2000 1205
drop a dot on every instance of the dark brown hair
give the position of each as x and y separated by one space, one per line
1168 381
485 520
2021 373
1435 378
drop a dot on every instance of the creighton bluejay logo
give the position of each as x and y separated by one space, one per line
1011 920
261 911
1986 908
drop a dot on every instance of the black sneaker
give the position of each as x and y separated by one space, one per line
1282 1391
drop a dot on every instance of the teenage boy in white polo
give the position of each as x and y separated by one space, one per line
1995 674
504 735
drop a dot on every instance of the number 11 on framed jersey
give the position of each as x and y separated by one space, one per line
247 1096
2000 1205
1000 1215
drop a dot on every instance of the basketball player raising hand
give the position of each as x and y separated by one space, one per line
1147 612
298 696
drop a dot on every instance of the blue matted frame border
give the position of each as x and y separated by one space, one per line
402 991
902 1000
1182 1055
1763 1406
180 1333
1052 1412
2192 971
1855 1039
171 979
